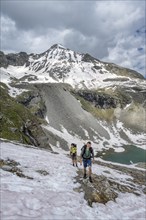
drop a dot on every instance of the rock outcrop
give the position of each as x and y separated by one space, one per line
104 188
33 101
18 59
18 123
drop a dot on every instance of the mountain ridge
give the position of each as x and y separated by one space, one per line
60 62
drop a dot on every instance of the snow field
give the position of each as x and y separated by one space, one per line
52 196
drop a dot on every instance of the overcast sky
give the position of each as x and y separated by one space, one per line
112 31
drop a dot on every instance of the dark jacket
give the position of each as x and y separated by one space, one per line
83 150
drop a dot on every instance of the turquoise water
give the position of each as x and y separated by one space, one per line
131 153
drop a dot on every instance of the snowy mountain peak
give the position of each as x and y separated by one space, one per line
54 46
59 52
59 64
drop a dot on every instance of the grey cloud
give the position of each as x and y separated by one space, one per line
34 14
58 14
85 43
94 27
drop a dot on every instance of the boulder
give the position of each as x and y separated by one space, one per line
7 168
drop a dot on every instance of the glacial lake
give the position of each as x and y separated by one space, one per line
131 154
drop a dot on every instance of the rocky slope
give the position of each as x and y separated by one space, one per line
105 188
18 123
78 115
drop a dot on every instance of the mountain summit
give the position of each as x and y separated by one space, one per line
57 46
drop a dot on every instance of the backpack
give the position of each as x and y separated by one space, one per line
74 149
83 149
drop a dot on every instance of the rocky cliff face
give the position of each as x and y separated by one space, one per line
128 106
18 123
102 101
118 70
34 102
19 59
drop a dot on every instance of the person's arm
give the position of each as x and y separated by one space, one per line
70 151
81 158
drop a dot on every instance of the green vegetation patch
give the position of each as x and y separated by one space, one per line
13 118
106 114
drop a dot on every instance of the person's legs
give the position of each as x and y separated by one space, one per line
85 165
90 170
85 173
75 161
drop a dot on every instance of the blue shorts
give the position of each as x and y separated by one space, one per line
87 162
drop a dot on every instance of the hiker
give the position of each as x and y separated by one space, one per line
86 155
73 154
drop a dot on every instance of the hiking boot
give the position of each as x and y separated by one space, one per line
73 165
76 165
84 176
90 179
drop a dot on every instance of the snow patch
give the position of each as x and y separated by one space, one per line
119 149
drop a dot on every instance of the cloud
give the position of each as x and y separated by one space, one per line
14 40
112 30
127 53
